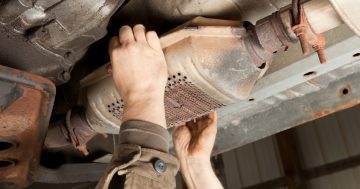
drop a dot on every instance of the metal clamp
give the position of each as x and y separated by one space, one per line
305 33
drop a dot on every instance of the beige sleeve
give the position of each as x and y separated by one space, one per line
137 166
145 134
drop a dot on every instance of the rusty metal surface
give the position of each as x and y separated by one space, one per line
23 125
72 130
79 131
272 34
305 33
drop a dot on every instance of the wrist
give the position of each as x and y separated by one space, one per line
192 164
199 158
143 98
200 162
198 173
149 108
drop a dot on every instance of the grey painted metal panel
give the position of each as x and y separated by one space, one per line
285 98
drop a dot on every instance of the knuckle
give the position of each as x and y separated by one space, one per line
131 47
129 43
116 50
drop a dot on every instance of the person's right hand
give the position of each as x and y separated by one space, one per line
193 144
196 139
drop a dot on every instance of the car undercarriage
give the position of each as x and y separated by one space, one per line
265 66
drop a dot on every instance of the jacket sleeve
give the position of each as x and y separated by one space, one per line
142 158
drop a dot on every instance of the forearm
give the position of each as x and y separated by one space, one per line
199 174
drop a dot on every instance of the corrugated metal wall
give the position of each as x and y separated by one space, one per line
331 139
323 141
252 164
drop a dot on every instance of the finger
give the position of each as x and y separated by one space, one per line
179 130
153 40
190 123
213 118
126 35
181 136
211 128
139 33
193 128
114 42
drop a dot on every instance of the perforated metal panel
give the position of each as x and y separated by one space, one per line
184 101
116 108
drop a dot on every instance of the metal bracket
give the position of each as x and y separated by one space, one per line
23 125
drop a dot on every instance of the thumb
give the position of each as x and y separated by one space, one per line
181 140
181 132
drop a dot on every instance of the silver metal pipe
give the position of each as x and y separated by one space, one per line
321 15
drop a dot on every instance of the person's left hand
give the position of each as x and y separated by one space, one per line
138 63
140 73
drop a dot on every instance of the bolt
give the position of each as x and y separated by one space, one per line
65 76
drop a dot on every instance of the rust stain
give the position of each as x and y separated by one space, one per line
344 106
307 36
23 124
14 123
327 111
345 91
313 83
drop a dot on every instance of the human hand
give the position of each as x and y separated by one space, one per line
196 139
140 73
138 63
193 144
